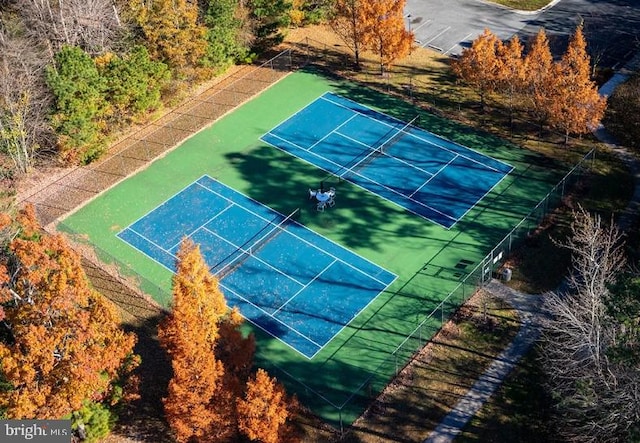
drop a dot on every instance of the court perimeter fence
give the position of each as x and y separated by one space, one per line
76 187
394 362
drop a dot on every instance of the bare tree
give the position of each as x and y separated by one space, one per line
24 101
597 399
93 25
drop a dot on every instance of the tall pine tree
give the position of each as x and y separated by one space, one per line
577 107
189 335
478 65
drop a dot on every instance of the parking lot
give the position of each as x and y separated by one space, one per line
612 27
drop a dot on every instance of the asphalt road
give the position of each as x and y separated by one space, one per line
612 27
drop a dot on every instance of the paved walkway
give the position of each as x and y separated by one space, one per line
529 306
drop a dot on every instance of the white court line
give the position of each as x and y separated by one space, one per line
285 325
303 288
307 229
331 132
433 176
437 35
250 254
144 253
341 167
429 142
383 153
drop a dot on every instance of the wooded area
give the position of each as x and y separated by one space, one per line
560 94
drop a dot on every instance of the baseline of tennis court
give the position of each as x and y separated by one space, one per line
430 176
291 282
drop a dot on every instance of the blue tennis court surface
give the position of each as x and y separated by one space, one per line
430 176
288 280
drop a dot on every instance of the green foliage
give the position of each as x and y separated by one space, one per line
623 305
134 83
309 12
223 29
269 17
80 104
95 420
622 113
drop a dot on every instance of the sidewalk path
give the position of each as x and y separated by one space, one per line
529 306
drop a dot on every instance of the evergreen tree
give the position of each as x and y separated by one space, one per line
80 105
223 34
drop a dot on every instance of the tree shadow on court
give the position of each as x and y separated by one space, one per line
282 182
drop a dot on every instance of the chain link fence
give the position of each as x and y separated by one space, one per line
136 151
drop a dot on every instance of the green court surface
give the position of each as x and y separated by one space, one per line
430 261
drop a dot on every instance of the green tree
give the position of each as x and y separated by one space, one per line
223 34
80 105
133 83
268 17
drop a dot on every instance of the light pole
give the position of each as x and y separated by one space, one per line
409 23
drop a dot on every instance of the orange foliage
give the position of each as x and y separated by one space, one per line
385 32
189 335
539 77
577 107
67 344
479 65
263 410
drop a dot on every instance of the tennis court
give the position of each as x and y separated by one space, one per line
428 175
282 276
430 262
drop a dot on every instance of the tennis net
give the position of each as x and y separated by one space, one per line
272 230
382 148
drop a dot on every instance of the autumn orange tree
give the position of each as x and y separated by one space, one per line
349 23
375 25
478 65
263 410
385 33
189 335
510 73
172 33
211 360
62 349
539 81
576 107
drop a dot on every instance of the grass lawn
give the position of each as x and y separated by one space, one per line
523 5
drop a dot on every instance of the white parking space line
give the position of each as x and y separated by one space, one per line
458 44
